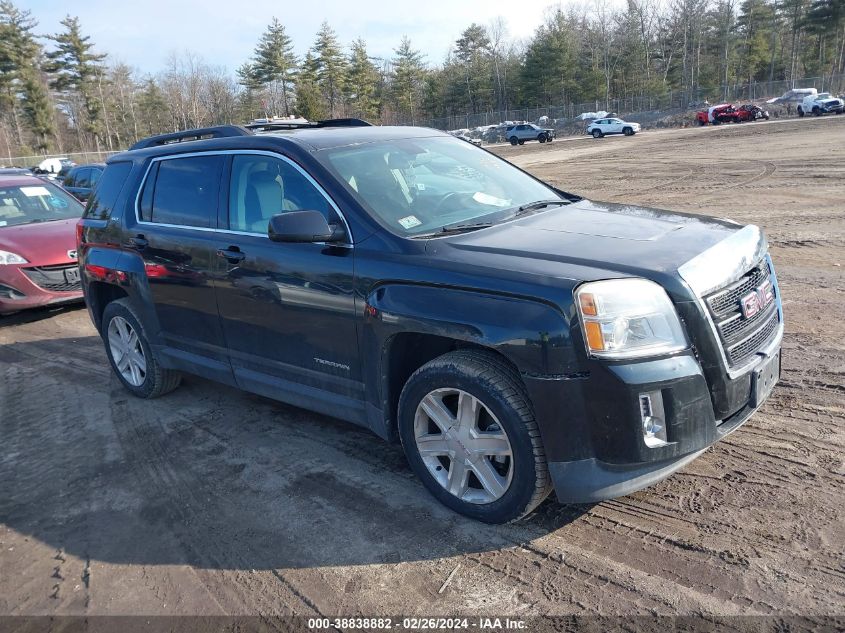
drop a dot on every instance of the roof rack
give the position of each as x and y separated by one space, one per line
268 126
219 131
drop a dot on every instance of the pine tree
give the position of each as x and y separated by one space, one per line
472 51
309 100
152 109
75 68
276 64
548 73
363 82
21 87
249 98
331 68
754 24
408 75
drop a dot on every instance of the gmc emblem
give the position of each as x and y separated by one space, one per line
757 300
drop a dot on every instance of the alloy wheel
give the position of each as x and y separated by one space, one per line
127 351
463 446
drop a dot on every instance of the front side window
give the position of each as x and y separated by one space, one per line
263 186
185 191
38 202
419 186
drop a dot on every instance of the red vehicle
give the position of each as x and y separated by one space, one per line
750 112
37 244
710 114
727 113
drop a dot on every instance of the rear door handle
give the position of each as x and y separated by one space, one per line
137 242
232 254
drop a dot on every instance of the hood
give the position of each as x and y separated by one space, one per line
591 240
42 243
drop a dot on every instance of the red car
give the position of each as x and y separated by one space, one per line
37 244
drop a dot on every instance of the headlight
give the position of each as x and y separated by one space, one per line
11 258
628 318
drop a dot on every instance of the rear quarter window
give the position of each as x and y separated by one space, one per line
104 197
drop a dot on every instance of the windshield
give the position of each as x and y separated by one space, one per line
43 202
418 186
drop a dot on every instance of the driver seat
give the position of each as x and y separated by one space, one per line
264 198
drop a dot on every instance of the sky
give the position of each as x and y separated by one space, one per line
224 33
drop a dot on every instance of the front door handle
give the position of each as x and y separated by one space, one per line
232 254
137 242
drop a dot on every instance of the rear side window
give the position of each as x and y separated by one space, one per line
82 178
104 197
185 191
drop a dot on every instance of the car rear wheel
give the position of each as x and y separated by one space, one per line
514 140
130 354
597 134
521 142
800 111
817 111
469 434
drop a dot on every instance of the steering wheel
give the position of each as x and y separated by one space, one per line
452 195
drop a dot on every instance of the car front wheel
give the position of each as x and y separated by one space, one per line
130 354
628 131
468 431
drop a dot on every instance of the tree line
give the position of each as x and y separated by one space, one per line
59 93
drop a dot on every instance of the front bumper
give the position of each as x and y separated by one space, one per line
599 452
19 292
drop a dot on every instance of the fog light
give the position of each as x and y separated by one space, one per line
7 292
653 419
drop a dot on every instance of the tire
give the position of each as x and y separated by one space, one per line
701 123
597 134
156 380
521 142
514 140
542 138
817 111
800 111
504 410
628 131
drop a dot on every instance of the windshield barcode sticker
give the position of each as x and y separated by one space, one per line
409 222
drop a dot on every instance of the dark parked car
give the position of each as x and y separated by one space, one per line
513 337
518 134
37 244
82 179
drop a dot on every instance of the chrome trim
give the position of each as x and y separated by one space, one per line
756 358
725 262
237 152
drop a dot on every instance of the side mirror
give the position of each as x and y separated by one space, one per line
303 226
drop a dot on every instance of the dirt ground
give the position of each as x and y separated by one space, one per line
212 501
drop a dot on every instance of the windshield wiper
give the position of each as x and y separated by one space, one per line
539 204
454 228
464 227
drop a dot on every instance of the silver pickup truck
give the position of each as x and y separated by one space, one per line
518 134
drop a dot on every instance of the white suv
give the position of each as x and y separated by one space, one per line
602 127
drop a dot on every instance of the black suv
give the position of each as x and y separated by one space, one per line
515 338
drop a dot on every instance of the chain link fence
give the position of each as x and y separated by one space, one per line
672 100
80 158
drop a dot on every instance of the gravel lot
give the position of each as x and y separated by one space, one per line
213 501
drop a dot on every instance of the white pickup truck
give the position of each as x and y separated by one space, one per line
820 103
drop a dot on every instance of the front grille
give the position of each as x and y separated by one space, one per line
54 279
742 337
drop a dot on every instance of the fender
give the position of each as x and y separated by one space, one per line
533 335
